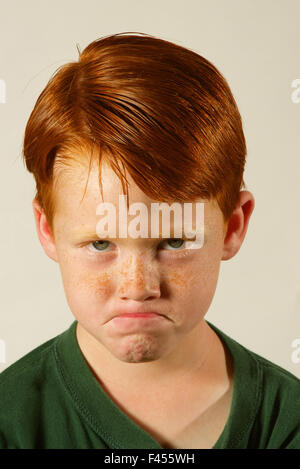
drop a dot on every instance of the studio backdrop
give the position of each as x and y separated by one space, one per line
255 45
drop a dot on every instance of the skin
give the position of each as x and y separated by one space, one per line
154 359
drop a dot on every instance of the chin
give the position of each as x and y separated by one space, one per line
138 348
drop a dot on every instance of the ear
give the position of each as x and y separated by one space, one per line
237 225
44 231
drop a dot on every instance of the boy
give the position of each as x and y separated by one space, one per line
140 367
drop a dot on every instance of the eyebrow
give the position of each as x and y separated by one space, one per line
84 234
91 234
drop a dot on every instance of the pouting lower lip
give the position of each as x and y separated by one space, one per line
138 315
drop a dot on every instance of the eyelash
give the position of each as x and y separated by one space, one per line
181 252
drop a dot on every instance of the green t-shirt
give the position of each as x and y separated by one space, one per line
50 399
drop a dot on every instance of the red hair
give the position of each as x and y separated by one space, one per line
159 110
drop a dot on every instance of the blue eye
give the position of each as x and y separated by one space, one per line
101 244
177 243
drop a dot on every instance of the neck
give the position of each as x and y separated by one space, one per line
200 355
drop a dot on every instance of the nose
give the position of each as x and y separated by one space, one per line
139 280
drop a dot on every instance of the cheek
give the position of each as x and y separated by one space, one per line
88 295
184 280
178 279
81 282
194 285
96 286
84 290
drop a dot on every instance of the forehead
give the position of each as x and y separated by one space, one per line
77 195
77 187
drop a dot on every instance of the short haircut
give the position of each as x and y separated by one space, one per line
157 109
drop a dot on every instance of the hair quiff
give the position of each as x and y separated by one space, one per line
154 108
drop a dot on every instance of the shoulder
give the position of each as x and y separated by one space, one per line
270 391
278 408
275 383
26 368
270 374
21 389
274 377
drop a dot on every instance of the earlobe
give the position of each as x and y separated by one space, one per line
44 231
238 225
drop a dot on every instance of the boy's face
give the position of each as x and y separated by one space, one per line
130 275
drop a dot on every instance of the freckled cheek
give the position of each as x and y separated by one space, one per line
177 279
181 284
96 286
185 281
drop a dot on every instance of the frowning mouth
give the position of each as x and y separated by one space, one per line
138 315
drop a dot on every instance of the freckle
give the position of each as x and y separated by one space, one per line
125 266
179 279
103 283
138 281
98 284
129 279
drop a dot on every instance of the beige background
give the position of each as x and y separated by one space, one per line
255 44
